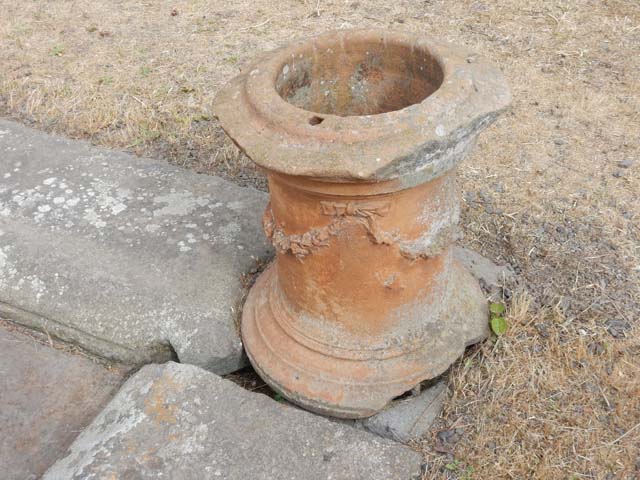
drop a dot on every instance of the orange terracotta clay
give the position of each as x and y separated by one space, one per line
359 133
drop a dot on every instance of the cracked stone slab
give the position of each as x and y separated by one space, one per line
491 276
46 398
133 259
408 418
181 422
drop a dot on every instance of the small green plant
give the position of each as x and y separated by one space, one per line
145 71
453 466
278 397
498 322
57 50
458 468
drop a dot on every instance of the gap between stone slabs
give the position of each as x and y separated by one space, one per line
47 396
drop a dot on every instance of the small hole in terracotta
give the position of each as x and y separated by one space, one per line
316 120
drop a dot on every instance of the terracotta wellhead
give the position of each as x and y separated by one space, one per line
359 133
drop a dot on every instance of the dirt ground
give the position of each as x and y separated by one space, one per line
551 189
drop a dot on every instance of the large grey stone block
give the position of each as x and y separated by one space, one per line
131 258
46 398
180 422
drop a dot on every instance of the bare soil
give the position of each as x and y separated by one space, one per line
551 189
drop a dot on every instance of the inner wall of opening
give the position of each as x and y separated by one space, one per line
358 78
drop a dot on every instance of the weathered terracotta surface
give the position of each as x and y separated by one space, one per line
359 133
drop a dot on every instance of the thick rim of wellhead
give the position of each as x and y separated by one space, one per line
413 144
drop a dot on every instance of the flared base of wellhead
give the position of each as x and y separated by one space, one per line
356 388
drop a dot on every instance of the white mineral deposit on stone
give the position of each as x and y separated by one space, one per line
93 218
4 262
38 287
235 206
191 238
181 203
118 208
228 232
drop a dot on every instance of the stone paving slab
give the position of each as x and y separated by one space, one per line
46 398
181 422
408 418
491 276
131 258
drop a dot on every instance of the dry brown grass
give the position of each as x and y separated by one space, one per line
558 395
548 400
